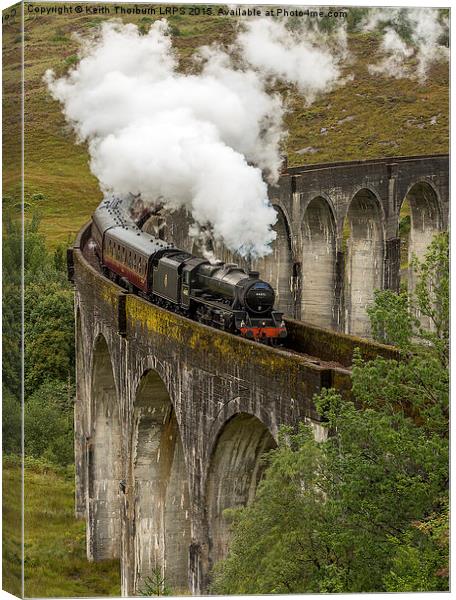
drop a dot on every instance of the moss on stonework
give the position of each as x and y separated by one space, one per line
223 346
334 346
233 350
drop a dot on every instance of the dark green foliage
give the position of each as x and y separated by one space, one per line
48 313
329 517
405 224
11 332
268 550
48 423
48 345
11 299
59 259
11 423
367 509
155 585
432 296
391 318
49 352
418 384
49 335
398 319
71 60
421 559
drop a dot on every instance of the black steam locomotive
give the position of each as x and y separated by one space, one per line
222 295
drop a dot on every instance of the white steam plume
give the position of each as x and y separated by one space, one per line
415 32
202 142
183 141
307 58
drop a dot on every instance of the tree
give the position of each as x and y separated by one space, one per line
49 335
418 383
11 302
328 516
420 560
270 553
11 423
156 584
394 317
48 341
48 423
366 509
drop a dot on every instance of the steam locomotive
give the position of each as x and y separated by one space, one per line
219 295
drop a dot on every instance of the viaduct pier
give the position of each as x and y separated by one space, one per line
172 417
340 234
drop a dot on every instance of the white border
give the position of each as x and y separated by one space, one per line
402 3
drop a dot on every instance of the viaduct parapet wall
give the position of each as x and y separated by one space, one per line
171 421
340 234
172 417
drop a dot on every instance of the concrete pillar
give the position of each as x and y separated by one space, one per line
364 261
318 265
339 305
104 461
425 223
157 492
277 267
392 264
235 471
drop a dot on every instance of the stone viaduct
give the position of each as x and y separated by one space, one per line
172 417
338 235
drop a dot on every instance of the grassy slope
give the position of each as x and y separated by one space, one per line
12 529
387 117
55 558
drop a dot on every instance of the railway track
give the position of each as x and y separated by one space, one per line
88 251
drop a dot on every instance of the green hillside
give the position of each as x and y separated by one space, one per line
369 117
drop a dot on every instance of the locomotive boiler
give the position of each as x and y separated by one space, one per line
221 295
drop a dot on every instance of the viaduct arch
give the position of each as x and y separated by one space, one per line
339 234
172 418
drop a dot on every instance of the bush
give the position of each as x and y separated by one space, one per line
48 423
11 423
155 585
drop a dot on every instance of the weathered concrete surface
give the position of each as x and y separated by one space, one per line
426 219
364 260
318 269
277 268
319 275
172 418
104 458
235 471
